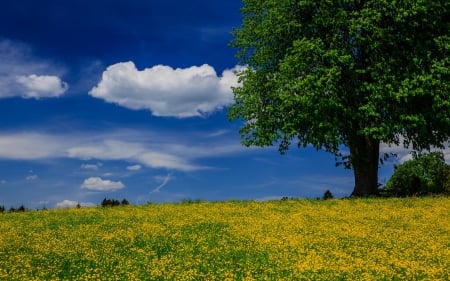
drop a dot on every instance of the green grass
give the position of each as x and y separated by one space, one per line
352 239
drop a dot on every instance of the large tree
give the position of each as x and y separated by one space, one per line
348 74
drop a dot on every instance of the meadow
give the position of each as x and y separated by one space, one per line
350 239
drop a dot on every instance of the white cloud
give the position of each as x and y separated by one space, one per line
193 91
32 177
134 167
404 154
164 160
71 204
161 150
24 75
217 133
66 204
98 184
91 166
34 146
164 180
137 152
30 146
145 148
106 149
47 86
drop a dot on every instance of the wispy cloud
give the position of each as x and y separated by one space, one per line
94 167
134 167
138 152
193 91
145 148
32 177
31 146
217 133
163 182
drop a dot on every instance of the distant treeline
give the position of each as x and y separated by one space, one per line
12 209
113 202
105 203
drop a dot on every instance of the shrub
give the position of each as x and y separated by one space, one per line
447 180
424 174
327 195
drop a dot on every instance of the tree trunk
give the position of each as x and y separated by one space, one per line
364 155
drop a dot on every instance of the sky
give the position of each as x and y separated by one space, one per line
127 99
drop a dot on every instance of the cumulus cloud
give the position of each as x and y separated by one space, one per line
47 86
188 92
70 204
66 204
134 167
98 184
24 75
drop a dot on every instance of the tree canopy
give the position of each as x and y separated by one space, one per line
336 74
422 175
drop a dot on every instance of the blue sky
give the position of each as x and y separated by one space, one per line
127 99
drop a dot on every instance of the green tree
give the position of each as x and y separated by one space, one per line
421 175
327 195
447 180
335 74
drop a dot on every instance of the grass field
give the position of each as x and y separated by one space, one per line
352 239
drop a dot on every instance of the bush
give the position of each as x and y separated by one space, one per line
447 180
327 195
424 174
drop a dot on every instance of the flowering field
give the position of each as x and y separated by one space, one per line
363 239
